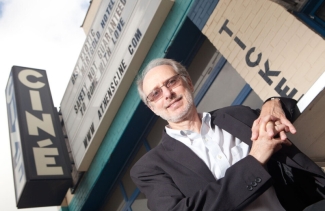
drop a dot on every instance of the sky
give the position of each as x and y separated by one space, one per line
41 34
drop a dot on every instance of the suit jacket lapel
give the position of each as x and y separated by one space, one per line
186 157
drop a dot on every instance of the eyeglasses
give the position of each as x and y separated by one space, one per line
169 84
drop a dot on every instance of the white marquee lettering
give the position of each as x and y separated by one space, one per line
33 123
23 79
35 99
42 161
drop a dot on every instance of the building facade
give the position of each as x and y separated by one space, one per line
237 52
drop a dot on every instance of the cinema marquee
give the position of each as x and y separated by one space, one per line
116 45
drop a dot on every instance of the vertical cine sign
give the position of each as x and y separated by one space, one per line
42 156
42 172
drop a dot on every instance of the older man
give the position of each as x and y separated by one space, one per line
207 161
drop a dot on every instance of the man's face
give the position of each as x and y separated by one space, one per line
176 103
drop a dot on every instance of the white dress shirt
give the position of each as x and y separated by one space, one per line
219 150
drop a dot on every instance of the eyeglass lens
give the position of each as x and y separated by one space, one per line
170 83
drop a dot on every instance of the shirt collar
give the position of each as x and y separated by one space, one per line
179 134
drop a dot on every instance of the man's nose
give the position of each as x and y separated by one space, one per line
167 93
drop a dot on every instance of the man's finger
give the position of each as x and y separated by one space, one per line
270 129
279 130
290 126
283 135
255 129
267 124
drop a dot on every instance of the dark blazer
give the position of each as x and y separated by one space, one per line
173 178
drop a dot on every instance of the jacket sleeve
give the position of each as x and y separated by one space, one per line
242 184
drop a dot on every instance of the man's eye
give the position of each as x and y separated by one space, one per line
171 82
155 93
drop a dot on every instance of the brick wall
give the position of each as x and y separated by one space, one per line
272 50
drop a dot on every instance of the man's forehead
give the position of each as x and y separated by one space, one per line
158 74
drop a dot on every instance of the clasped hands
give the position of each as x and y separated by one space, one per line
269 131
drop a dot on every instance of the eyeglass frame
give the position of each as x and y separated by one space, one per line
164 84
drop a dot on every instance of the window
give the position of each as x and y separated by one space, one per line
313 14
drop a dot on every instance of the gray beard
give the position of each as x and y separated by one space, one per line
177 118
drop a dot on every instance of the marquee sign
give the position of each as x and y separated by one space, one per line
41 169
118 41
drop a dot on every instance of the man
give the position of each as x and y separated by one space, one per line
208 161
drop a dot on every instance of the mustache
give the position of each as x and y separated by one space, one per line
173 99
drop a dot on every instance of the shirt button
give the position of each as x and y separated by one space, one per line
220 157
